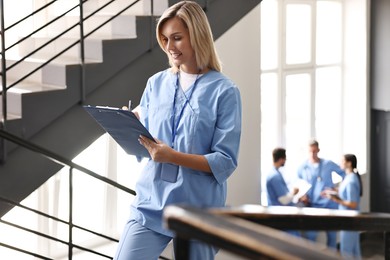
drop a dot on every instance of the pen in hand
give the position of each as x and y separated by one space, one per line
130 108
127 107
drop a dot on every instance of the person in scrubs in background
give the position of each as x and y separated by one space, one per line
278 193
318 172
194 113
349 193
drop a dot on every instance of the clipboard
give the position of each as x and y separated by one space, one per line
331 194
303 187
123 126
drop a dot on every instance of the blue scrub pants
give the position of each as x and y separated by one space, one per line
350 244
331 237
140 243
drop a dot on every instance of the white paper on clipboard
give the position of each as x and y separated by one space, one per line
303 187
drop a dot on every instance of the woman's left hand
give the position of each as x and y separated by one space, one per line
160 152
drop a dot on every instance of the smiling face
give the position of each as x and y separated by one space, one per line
176 41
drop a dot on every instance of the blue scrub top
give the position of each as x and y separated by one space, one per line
276 187
210 125
320 178
349 190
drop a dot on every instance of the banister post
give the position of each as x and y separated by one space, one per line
181 248
70 246
3 150
82 54
387 245
152 24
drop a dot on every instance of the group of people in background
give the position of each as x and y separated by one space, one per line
323 193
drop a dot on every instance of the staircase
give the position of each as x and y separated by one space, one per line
45 108
34 102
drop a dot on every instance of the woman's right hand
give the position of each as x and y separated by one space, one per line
136 111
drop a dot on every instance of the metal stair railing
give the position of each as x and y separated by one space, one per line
82 37
65 162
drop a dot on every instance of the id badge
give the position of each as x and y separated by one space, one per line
169 172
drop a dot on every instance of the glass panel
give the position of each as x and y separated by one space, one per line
328 121
129 170
269 124
269 34
25 218
298 33
298 120
329 31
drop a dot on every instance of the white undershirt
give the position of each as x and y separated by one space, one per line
186 79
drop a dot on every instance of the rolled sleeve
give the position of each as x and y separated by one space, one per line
226 138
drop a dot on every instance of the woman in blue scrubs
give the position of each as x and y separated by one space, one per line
194 113
349 193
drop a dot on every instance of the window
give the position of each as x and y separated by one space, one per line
306 82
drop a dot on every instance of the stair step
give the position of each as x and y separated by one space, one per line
14 97
141 8
54 73
92 48
122 26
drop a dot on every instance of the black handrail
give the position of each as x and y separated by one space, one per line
3 119
4 135
54 38
52 238
47 60
65 162
24 251
14 203
82 54
82 36
109 19
70 226
31 15
38 30
60 160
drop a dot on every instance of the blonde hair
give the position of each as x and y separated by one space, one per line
201 37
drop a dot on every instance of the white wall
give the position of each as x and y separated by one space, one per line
356 90
239 50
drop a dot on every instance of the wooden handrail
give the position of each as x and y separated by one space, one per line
238 236
312 219
282 217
